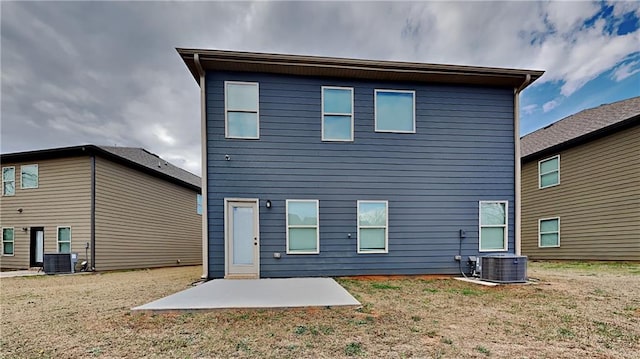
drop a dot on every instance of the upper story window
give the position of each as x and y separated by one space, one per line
303 230
241 110
493 226
395 111
337 113
373 227
8 181
199 203
549 172
549 232
29 176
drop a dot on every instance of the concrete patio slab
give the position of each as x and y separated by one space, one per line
20 273
256 293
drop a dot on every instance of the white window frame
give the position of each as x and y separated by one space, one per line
386 227
227 110
37 174
58 238
13 241
540 174
317 226
14 181
540 233
351 114
505 225
375 109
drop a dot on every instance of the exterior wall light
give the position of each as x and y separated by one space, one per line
267 204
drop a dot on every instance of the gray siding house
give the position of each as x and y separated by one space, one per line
318 166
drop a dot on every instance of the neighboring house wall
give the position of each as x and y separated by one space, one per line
63 198
597 201
462 153
143 221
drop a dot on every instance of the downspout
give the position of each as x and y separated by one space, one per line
93 212
203 134
518 175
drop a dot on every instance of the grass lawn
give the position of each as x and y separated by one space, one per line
576 310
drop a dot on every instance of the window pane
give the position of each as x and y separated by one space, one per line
7 248
492 213
8 174
549 179
550 239
394 111
242 97
549 165
337 101
64 234
372 214
29 176
492 238
7 234
302 239
550 225
8 188
64 247
337 127
242 124
303 213
372 239
199 204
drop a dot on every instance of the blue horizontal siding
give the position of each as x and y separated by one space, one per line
462 152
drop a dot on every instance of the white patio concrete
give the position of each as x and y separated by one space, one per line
20 273
256 293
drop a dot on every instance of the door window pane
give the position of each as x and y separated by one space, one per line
243 234
394 111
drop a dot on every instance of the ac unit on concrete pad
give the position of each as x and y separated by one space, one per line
55 263
504 268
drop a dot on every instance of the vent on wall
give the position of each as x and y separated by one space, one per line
507 268
57 263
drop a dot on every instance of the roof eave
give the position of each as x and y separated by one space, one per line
220 60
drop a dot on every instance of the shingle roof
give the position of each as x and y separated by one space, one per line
153 162
580 124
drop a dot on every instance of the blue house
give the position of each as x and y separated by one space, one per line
316 166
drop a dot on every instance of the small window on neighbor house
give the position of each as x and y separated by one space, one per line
395 111
7 241
373 227
493 226
303 232
8 181
337 113
29 176
549 232
64 239
549 172
199 203
241 110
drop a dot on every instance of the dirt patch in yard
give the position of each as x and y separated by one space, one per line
574 311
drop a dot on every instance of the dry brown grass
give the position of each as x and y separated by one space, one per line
575 311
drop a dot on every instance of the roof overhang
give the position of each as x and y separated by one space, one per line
297 65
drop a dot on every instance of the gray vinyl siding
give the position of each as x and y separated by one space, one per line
462 152
63 198
597 200
143 221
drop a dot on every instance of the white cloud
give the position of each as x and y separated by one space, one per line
529 109
548 106
625 70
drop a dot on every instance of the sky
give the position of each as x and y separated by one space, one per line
107 73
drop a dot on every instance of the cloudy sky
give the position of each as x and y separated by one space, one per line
108 73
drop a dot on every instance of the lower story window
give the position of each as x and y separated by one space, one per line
303 230
373 227
549 232
64 239
7 241
493 226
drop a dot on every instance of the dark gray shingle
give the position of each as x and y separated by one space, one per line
579 124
